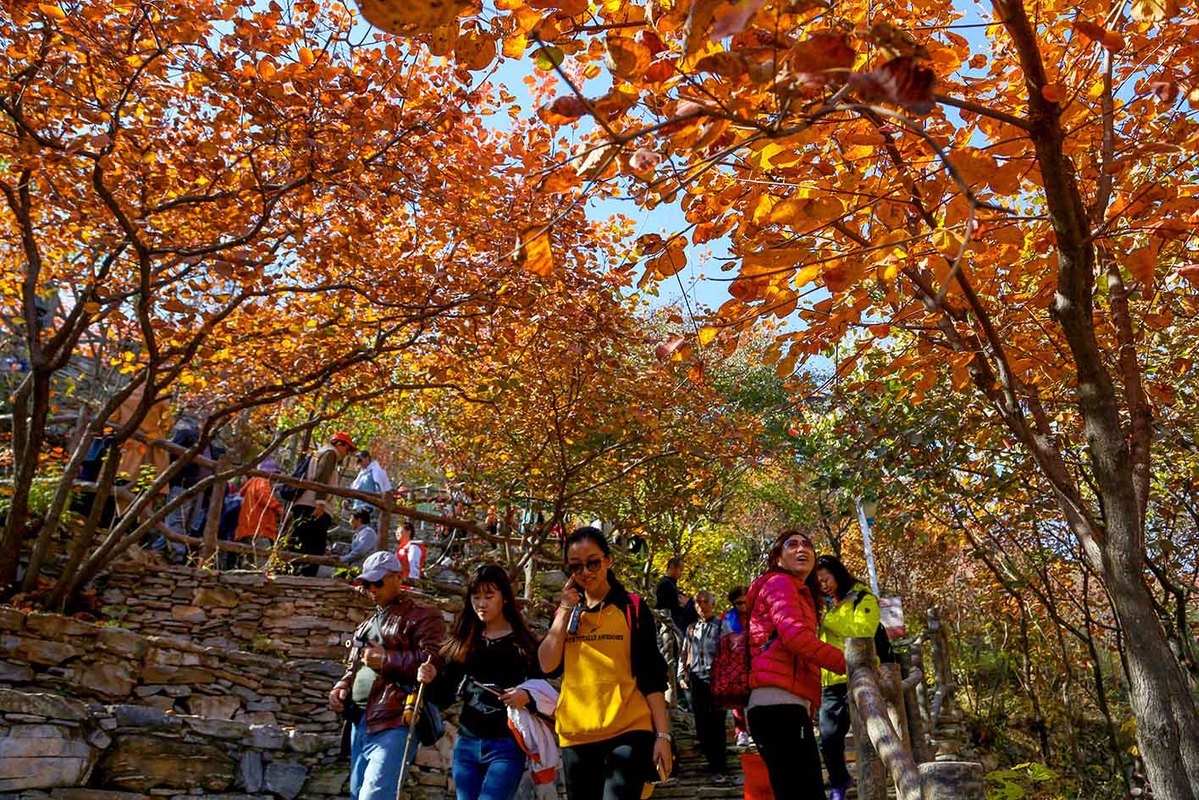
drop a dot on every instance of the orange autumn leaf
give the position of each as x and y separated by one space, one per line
533 251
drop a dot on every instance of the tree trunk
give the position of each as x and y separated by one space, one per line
29 430
1167 724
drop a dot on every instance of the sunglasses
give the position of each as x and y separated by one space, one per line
592 565
372 584
739 604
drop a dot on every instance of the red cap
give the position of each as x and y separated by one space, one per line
344 438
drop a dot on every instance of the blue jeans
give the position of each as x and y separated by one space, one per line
487 769
375 761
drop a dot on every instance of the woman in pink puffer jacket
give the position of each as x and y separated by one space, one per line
784 676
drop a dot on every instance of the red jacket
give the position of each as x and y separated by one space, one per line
784 638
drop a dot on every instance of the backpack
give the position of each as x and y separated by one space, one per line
882 642
730 670
287 492
731 664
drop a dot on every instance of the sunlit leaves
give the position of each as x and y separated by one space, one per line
534 252
409 16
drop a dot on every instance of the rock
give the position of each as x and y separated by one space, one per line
329 780
305 742
11 619
285 779
140 763
42 705
189 614
41 761
264 737
294 623
95 794
214 707
160 702
143 717
113 680
215 597
15 673
53 626
99 740
216 728
249 771
162 673
122 642
265 718
37 651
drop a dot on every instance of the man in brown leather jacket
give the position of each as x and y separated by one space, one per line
396 648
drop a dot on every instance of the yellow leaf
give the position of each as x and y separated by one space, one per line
514 46
533 251
947 242
707 334
52 10
307 57
1151 10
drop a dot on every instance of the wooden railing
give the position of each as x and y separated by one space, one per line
896 729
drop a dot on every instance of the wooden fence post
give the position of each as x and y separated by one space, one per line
891 682
872 776
212 520
382 542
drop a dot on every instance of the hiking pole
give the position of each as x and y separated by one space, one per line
416 707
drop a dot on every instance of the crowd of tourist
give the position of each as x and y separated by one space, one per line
606 726
618 666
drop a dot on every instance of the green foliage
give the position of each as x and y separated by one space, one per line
1029 779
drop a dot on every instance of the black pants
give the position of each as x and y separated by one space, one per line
787 744
834 724
709 724
309 536
614 769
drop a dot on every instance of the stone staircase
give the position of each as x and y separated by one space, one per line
691 775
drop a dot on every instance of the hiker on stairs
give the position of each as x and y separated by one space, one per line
612 720
695 673
851 609
786 656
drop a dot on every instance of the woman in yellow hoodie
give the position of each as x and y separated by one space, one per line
850 610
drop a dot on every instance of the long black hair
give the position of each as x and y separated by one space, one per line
468 628
841 575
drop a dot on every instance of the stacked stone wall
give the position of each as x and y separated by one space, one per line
294 617
214 687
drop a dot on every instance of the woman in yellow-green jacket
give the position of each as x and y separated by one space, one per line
850 610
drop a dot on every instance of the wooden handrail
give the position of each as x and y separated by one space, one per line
886 738
867 696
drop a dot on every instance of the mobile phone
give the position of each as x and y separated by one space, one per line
662 776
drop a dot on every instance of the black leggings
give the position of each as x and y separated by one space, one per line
614 769
834 724
787 744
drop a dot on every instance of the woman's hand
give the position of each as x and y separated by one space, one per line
663 758
426 672
570 595
516 698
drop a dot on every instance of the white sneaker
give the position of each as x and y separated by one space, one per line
743 739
